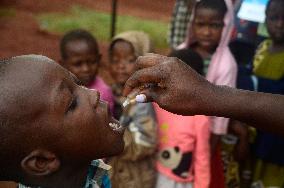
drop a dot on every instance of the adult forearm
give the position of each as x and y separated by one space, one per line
261 110
181 90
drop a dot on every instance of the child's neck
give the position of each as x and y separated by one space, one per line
117 89
204 53
276 47
74 178
121 86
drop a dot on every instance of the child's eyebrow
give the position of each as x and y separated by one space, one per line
59 97
63 86
75 79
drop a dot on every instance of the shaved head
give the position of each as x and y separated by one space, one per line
48 123
16 115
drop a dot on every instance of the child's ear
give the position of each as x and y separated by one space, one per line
99 58
40 163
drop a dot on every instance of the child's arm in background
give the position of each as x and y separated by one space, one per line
227 77
240 129
140 136
202 152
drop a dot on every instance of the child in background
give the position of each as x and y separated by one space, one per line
179 21
184 152
80 55
211 31
235 146
188 56
209 34
134 168
52 129
269 68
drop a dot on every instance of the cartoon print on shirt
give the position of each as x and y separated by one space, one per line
177 161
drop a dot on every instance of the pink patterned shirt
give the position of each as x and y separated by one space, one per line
183 147
104 89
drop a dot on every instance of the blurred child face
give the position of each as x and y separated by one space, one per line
62 116
207 28
122 61
275 22
82 60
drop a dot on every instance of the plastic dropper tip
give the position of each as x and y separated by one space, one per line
125 103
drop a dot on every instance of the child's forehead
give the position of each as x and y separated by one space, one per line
123 45
79 45
36 71
121 42
28 84
210 12
37 63
276 3
276 8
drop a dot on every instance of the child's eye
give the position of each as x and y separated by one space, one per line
199 24
73 104
216 26
131 61
274 18
92 62
79 82
114 62
78 64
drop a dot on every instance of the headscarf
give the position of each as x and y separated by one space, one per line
142 44
138 39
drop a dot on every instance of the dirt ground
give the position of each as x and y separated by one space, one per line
20 33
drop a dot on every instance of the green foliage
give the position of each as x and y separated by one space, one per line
99 24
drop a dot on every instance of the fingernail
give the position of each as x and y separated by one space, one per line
140 98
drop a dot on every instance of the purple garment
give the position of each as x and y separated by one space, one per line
104 89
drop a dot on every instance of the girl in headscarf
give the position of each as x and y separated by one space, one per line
134 168
183 146
209 33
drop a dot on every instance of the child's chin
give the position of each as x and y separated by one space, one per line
117 149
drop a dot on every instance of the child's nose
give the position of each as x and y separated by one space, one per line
206 30
96 101
122 64
280 23
94 96
85 67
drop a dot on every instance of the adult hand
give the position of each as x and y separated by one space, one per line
173 84
179 89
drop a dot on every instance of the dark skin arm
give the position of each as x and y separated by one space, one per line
179 89
239 129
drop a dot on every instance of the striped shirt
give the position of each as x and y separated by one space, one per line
97 176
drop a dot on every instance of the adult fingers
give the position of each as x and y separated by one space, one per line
149 60
142 77
149 94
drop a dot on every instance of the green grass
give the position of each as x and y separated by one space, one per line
99 24
7 12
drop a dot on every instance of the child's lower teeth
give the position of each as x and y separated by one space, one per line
114 126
